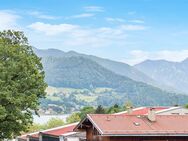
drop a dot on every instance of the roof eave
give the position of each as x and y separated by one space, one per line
93 123
145 135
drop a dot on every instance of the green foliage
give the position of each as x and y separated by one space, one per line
128 104
114 109
36 127
54 122
86 110
72 100
75 117
81 115
186 106
100 110
21 83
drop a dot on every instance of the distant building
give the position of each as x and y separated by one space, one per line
151 127
174 111
62 133
177 110
141 110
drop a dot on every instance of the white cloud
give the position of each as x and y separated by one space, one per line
137 21
133 27
53 29
75 35
8 20
132 13
40 15
137 56
50 29
94 9
120 20
83 15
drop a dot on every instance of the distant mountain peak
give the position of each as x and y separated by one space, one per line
114 66
173 74
72 51
185 60
48 52
158 61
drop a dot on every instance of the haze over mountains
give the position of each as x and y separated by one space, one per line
117 67
173 74
80 71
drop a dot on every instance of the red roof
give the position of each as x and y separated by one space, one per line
139 125
69 128
53 131
33 135
142 110
60 131
36 135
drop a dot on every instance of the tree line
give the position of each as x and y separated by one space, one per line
77 116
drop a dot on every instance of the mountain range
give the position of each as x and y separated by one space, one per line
136 83
173 74
114 66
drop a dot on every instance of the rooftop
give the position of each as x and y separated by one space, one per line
61 130
142 110
57 131
69 128
130 125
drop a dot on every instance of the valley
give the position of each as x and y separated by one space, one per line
77 80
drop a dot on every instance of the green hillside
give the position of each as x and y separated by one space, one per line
114 66
81 73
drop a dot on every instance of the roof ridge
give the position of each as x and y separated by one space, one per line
134 109
135 115
168 109
59 127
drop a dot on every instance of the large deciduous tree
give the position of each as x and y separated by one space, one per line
21 83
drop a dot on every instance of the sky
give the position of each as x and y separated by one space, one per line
129 31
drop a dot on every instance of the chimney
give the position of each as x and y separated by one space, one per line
152 115
129 109
108 118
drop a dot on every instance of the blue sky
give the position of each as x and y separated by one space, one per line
129 31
